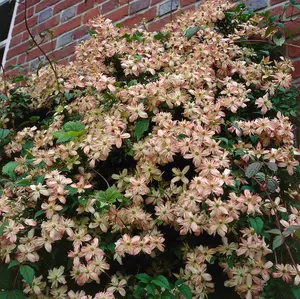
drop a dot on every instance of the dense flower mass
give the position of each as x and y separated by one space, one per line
153 163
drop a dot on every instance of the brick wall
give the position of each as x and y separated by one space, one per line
67 18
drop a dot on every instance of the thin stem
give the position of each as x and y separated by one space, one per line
38 46
104 179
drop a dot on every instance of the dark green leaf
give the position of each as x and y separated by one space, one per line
38 213
278 241
150 289
6 281
274 231
27 273
14 294
279 39
73 126
141 127
8 169
161 281
3 225
272 185
143 277
185 291
13 263
4 133
257 223
296 292
191 31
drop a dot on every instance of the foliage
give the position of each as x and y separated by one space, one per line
157 165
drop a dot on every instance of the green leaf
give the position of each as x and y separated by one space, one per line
296 292
141 127
143 277
181 136
38 213
257 223
260 176
274 231
13 263
3 225
272 185
4 133
150 289
24 182
185 291
161 281
73 126
14 294
253 169
290 230
191 31
27 273
8 169
277 242
279 39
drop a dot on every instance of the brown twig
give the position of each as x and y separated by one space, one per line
38 46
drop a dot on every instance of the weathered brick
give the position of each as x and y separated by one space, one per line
80 32
68 14
292 11
65 4
118 14
37 63
82 7
44 4
65 27
296 73
109 6
63 52
294 51
45 14
293 26
36 52
149 15
256 4
276 1
91 14
49 24
187 2
22 27
139 5
17 50
65 39
168 6
21 17
17 39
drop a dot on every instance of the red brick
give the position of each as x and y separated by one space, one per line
276 11
294 51
65 4
276 1
68 26
118 14
17 50
11 62
91 14
64 61
64 52
296 73
21 17
22 58
30 3
292 11
36 52
22 27
157 25
153 2
80 32
45 4
17 39
187 2
85 6
72 57
294 26
49 24
149 15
